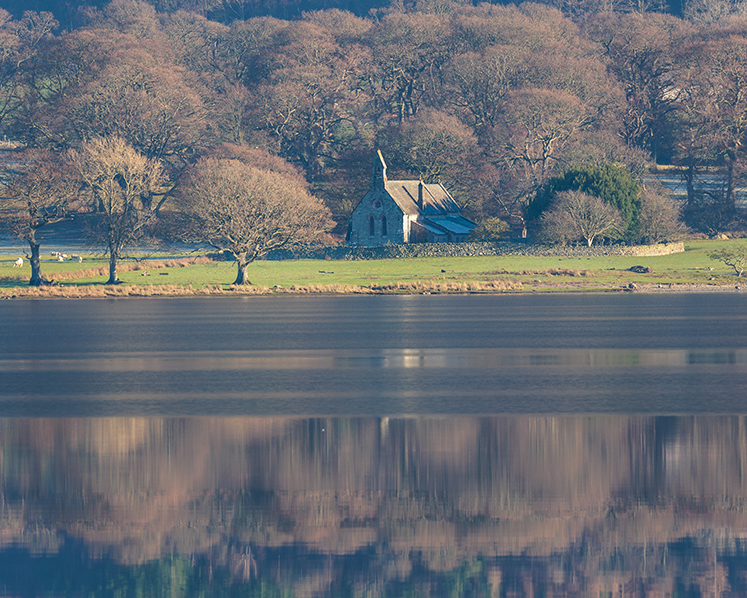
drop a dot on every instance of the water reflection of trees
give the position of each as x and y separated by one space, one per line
647 503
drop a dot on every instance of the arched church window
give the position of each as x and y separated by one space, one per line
371 225
383 226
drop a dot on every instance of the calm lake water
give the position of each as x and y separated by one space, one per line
546 445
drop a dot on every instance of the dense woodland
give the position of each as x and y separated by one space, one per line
498 102
73 13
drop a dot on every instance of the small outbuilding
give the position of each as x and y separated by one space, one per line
406 212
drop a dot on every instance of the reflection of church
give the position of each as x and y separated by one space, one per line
406 212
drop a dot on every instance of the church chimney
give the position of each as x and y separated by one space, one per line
420 195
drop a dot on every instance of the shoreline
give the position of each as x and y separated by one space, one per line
165 291
689 288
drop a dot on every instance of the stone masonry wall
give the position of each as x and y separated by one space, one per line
653 250
359 221
473 249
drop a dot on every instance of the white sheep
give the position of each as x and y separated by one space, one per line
18 263
60 258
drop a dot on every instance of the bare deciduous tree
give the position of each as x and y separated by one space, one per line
577 215
538 124
20 42
438 148
311 106
475 84
660 216
641 53
38 192
247 211
536 128
713 12
410 50
123 183
151 106
734 257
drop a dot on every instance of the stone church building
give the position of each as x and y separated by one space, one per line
406 212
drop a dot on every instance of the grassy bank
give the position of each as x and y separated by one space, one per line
189 275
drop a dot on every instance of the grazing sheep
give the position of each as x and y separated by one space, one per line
18 263
60 258
75 256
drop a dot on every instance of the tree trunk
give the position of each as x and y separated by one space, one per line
729 199
36 276
241 274
113 279
690 181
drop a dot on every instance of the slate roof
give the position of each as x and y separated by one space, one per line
454 223
436 199
431 228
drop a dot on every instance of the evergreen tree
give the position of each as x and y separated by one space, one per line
610 182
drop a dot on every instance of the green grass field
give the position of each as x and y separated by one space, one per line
457 274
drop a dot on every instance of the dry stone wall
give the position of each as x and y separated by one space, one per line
473 249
